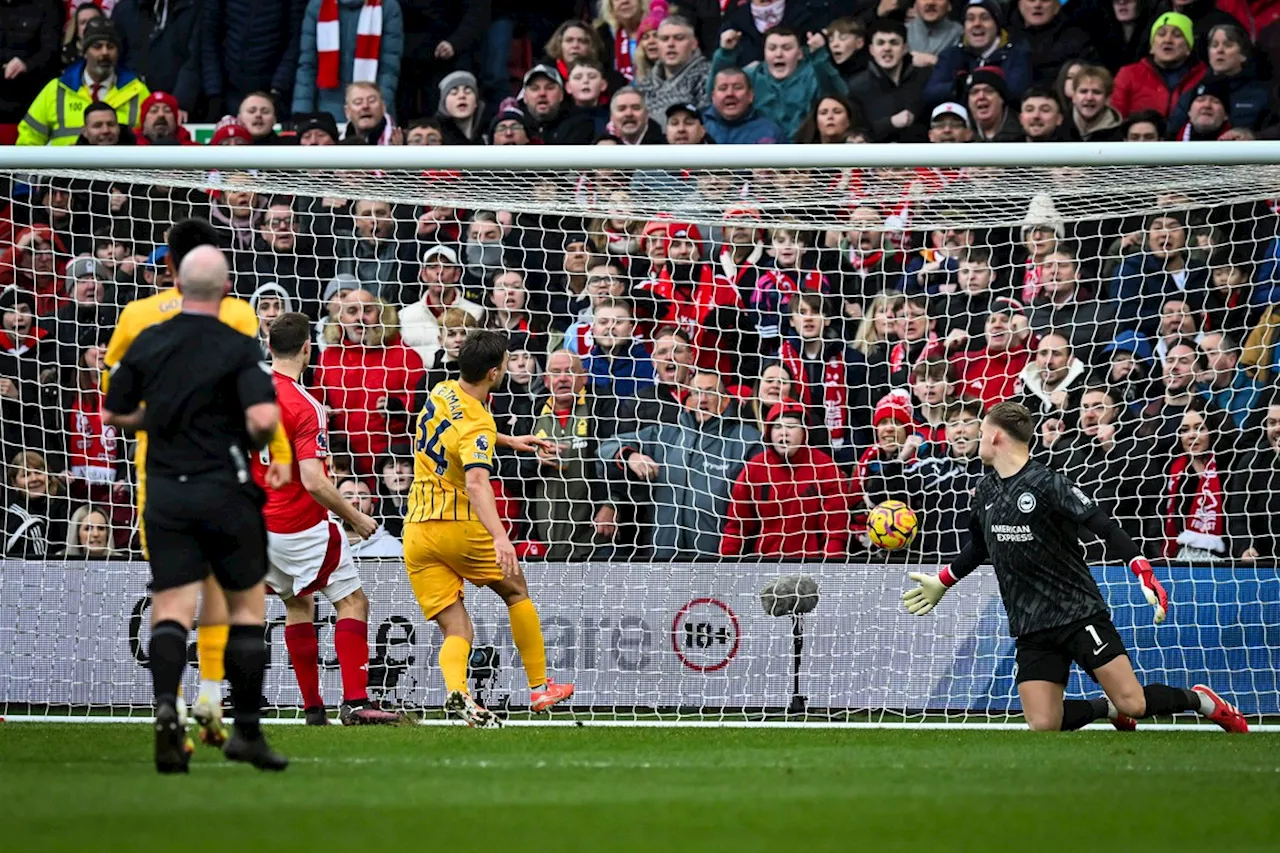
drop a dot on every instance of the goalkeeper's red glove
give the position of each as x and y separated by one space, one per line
1151 588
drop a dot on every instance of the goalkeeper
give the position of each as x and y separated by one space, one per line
1026 521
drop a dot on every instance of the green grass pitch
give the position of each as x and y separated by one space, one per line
422 789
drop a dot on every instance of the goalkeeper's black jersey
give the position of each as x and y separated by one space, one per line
1030 523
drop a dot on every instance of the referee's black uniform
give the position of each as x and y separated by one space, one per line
197 376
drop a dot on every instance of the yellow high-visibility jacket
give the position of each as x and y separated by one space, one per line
56 116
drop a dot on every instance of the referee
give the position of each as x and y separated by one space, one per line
197 387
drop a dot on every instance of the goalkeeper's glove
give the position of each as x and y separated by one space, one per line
1151 588
922 599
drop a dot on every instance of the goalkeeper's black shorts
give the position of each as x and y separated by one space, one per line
204 526
1047 655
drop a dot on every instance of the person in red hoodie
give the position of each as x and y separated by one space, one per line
1157 82
367 377
991 372
160 124
36 263
790 501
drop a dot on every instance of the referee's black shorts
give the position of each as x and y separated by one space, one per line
1047 655
204 525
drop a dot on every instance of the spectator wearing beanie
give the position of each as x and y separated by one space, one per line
985 44
889 90
248 46
1158 81
881 470
158 42
315 129
160 122
994 117
1232 62
366 47
462 115
231 133
1207 118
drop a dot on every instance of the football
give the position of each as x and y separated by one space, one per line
892 525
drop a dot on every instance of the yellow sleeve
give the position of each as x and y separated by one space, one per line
281 449
239 315
34 128
476 443
122 338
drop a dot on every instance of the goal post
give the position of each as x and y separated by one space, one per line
720 306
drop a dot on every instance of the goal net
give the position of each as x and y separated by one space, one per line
738 356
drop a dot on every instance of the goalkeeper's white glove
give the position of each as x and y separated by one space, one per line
922 599
1151 588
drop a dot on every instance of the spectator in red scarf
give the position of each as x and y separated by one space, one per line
20 335
619 28
160 122
991 372
830 379
366 377
789 502
35 263
868 262
792 273
1196 487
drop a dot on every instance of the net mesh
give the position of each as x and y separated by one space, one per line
736 367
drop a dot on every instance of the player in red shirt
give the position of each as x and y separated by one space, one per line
306 551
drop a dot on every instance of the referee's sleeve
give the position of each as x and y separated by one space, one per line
124 392
253 383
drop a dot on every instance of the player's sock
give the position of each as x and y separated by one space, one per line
1078 713
246 664
351 639
211 646
1112 711
453 663
1163 699
304 654
168 654
526 630
210 690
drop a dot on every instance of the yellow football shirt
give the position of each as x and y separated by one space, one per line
142 314
455 433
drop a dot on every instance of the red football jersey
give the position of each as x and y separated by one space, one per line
292 509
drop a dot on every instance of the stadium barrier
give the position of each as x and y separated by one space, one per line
689 641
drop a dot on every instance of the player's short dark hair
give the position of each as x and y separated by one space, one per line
1014 419
288 333
482 351
188 234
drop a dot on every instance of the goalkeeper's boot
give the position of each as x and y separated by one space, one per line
1123 723
316 716
256 752
550 694
1224 713
172 755
462 706
365 713
208 714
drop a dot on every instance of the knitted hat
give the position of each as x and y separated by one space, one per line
788 408
459 78
1174 19
1214 87
894 406
1042 212
158 98
83 268
338 284
101 29
684 231
987 75
13 296
992 7
306 122
228 132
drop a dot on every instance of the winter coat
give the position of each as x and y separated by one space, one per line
562 501
351 378
1038 399
381 267
1106 129
1051 46
1253 505
29 30
787 101
955 63
429 22
56 116
1249 98
1141 86
1141 286
421 329
247 46
688 86
34 528
307 96
698 465
791 509
991 377
160 44
803 16
1087 322
881 99
752 129
621 376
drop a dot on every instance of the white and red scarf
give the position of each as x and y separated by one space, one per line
1031 281
900 354
623 47
835 391
328 46
1205 522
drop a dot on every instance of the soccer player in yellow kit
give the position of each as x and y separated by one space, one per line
453 533
137 316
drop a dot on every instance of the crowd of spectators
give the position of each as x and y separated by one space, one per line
715 390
